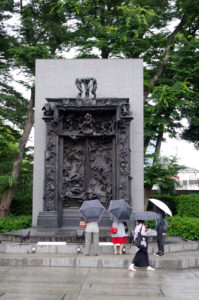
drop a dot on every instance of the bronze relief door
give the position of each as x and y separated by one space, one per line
87 168
87 156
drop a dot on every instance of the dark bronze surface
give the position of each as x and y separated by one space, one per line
87 153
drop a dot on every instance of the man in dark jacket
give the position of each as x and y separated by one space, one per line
159 228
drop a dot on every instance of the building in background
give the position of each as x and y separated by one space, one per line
188 179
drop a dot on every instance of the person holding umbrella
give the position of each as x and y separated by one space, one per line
121 212
91 211
92 236
141 258
119 237
161 209
160 231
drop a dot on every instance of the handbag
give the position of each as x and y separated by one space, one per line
82 224
141 241
166 225
80 233
113 230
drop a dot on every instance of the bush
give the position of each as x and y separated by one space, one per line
12 222
151 224
22 205
22 201
184 227
188 205
187 228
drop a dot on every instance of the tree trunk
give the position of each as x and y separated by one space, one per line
166 56
8 194
161 68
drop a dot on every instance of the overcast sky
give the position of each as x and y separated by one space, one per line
185 151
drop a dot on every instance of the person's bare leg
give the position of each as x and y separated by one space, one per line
115 248
121 248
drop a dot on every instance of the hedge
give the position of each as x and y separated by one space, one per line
12 222
185 227
188 205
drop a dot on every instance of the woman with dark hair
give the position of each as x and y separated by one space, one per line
141 258
119 237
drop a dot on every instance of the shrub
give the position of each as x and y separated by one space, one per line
22 202
12 222
22 205
185 227
151 224
188 205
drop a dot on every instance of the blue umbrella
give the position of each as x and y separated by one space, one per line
120 210
91 210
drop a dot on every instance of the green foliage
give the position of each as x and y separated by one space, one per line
8 150
13 106
184 227
151 224
6 8
22 201
160 171
188 205
11 223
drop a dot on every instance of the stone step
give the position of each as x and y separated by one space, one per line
174 245
170 261
69 235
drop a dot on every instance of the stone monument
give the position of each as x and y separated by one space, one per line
88 138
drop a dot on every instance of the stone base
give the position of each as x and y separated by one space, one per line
71 219
47 219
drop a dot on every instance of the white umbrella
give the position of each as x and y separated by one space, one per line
162 206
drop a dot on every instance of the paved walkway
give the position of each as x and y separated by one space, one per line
69 283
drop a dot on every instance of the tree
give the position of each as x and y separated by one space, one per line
123 29
43 31
142 29
188 66
161 171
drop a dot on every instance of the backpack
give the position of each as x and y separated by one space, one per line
166 225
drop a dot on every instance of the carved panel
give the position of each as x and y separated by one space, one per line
50 170
100 164
88 123
87 151
73 172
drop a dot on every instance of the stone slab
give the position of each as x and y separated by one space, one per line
173 261
120 78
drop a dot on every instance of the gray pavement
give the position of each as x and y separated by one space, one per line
72 283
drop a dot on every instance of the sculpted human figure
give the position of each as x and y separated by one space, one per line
87 125
89 84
